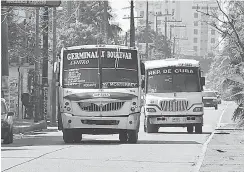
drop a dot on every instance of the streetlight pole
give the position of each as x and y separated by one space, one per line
132 25
54 91
37 67
106 21
4 54
45 64
146 33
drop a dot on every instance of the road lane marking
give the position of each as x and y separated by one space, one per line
35 158
205 145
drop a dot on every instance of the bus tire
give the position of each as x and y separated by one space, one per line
151 128
123 137
145 123
132 136
190 129
198 128
8 137
77 136
67 135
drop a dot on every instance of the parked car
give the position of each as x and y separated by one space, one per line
210 99
6 123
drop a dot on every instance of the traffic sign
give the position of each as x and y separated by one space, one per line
31 3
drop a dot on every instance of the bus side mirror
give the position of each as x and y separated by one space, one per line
202 81
143 84
142 68
10 113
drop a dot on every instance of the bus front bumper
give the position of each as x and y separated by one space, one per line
127 122
176 121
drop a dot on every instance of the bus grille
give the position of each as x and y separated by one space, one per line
174 105
100 122
92 107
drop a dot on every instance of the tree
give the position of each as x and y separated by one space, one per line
230 23
21 35
161 47
85 24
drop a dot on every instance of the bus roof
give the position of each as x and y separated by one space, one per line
100 46
171 62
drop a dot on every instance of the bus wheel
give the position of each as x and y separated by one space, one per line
77 136
151 128
132 136
145 123
67 136
198 128
123 137
190 129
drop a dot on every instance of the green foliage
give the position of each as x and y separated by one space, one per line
227 68
21 36
161 47
85 25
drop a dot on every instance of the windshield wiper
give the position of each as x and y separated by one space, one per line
99 68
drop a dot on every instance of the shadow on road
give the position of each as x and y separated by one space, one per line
166 142
12 149
164 132
35 140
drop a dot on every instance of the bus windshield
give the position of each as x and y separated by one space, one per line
115 69
209 94
173 79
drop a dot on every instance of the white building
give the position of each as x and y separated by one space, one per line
196 38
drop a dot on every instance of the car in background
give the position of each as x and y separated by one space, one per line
210 99
6 123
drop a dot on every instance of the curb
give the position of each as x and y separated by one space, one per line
35 126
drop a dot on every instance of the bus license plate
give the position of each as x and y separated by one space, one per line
175 119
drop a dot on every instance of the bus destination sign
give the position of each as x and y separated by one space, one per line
31 3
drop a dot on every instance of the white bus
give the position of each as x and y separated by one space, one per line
99 92
173 95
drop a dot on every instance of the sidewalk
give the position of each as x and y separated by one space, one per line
27 125
225 152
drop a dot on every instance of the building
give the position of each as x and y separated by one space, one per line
193 36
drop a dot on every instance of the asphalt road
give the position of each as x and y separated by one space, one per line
170 150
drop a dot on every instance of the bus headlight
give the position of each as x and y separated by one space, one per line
151 110
198 109
67 106
132 109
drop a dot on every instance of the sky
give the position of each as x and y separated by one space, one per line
117 6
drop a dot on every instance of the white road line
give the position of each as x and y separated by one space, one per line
205 145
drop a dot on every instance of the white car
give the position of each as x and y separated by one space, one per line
6 123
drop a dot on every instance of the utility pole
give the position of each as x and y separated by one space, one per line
37 70
54 91
174 48
173 26
106 20
174 44
147 30
132 25
126 37
169 21
45 64
165 27
4 54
